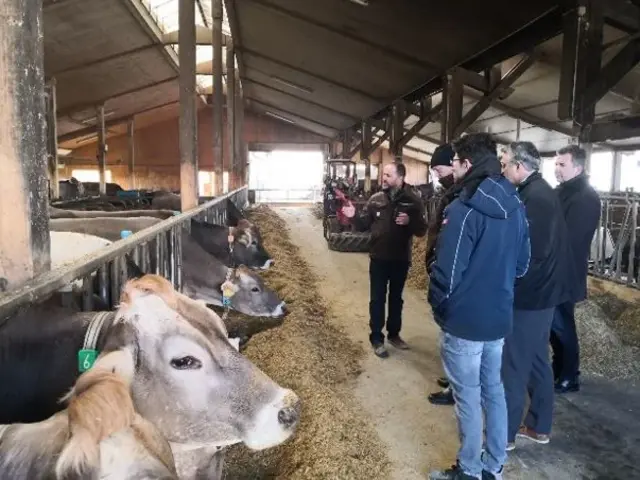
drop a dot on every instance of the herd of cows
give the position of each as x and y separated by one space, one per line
155 389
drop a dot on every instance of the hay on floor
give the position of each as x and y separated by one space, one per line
314 358
605 347
417 277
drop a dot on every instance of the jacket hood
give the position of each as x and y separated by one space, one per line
495 197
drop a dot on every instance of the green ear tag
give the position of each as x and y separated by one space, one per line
86 359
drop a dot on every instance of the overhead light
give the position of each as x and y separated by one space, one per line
292 85
279 117
364 3
63 151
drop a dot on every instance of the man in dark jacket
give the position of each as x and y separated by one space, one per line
482 248
442 165
581 208
547 284
394 215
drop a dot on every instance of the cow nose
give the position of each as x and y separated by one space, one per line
281 310
288 416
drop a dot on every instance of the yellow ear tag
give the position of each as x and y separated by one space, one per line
228 289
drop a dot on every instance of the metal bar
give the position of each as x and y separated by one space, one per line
87 293
106 59
397 130
571 31
632 250
280 110
231 114
237 128
178 246
589 59
366 153
188 110
172 257
24 214
52 138
453 97
132 154
217 124
428 117
114 281
300 99
619 129
49 282
479 108
102 149
612 73
318 76
157 267
110 123
83 106
103 283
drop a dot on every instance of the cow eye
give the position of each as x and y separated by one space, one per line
254 242
186 363
255 289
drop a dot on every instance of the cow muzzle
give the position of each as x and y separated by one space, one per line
275 422
268 264
280 310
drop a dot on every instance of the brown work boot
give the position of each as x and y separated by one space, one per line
529 434
398 343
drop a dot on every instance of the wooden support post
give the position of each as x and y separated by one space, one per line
588 147
231 114
52 140
102 149
24 209
218 160
452 97
397 129
188 111
132 154
238 116
366 153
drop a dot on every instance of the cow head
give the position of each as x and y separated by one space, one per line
185 375
247 246
251 295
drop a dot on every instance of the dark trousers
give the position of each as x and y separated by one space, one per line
564 342
383 273
526 369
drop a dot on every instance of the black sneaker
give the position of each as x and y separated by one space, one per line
398 343
453 473
492 476
443 382
380 350
445 397
567 386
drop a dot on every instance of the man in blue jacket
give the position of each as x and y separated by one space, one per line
482 248
547 284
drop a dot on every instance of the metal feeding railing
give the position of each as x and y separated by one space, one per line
157 249
613 251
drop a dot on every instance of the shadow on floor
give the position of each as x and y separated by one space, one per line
596 435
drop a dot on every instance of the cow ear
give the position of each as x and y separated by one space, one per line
120 362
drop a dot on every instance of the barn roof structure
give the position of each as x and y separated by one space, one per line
341 68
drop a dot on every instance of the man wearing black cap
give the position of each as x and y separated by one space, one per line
441 164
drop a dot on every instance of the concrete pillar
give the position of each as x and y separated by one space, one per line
232 164
24 212
218 160
188 111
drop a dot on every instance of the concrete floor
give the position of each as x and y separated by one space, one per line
596 432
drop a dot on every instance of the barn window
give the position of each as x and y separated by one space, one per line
90 175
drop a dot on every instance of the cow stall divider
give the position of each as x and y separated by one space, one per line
613 250
157 249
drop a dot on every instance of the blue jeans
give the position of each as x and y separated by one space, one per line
473 369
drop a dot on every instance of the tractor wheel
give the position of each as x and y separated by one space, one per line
330 226
353 242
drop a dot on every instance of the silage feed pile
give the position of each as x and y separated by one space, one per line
609 334
335 439
417 277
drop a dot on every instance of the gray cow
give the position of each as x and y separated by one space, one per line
185 376
203 274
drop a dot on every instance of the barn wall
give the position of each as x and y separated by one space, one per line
157 152
417 171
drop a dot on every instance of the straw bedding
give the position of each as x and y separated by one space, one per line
417 277
308 354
